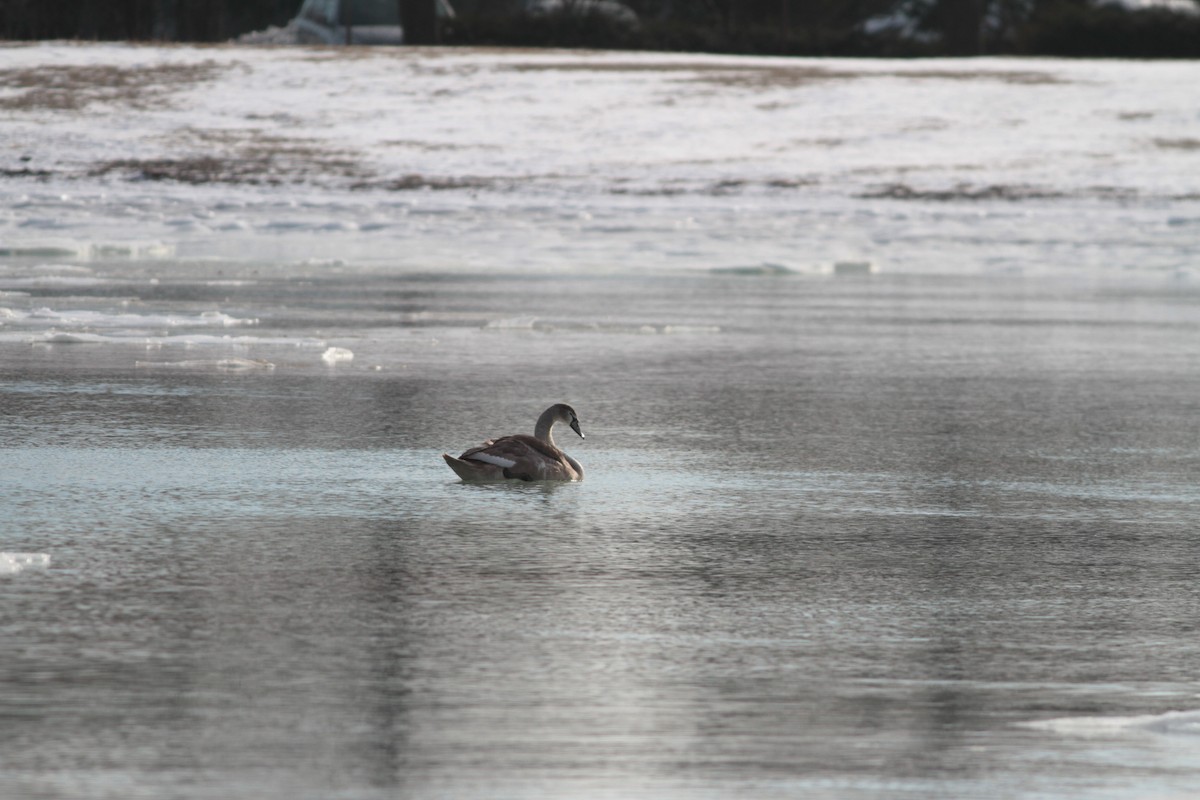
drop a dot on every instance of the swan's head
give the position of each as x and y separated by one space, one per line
567 415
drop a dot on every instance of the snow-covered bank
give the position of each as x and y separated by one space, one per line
437 157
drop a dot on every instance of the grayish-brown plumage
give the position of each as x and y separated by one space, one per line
522 457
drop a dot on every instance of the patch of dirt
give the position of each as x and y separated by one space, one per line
250 156
72 88
197 170
429 147
25 172
416 182
1178 144
748 76
762 77
790 183
962 191
716 189
252 142
1012 193
238 157
1017 77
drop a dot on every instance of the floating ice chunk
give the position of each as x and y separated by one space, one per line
39 250
54 281
223 320
335 355
201 340
853 268
344 225
222 364
63 269
131 250
764 269
513 323
101 319
64 337
70 249
1172 723
12 563
690 329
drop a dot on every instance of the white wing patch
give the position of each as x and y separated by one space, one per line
488 458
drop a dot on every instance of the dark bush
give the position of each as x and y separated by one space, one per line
1067 29
170 20
559 29
598 31
825 28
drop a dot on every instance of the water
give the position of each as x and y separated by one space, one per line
922 532
840 537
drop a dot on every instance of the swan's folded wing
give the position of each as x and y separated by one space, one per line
474 471
524 457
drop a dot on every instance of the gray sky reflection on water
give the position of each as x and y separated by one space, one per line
838 539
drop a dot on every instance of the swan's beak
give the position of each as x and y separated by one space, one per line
575 427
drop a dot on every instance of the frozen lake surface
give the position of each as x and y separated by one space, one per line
543 160
928 531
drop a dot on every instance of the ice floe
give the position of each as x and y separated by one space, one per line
1171 723
12 563
337 355
155 342
219 364
84 319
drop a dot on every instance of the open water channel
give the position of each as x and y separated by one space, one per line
840 537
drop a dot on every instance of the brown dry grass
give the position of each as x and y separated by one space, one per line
77 88
772 76
197 169
1008 192
238 156
72 88
416 182
250 157
1178 144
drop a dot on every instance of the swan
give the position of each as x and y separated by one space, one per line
523 457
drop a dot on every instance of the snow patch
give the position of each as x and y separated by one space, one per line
944 166
274 34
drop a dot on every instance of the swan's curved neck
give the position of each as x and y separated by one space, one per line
544 425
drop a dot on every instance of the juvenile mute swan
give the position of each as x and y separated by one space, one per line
523 457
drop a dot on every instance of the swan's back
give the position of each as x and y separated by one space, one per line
525 458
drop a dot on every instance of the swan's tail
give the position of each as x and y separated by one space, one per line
473 470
